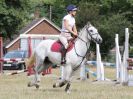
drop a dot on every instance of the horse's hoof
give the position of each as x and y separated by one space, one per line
37 86
68 92
54 85
67 87
29 84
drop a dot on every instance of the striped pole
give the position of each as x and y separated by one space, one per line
62 72
47 71
30 69
130 64
104 63
83 74
16 72
1 54
94 74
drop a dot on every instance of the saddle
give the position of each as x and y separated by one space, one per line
58 46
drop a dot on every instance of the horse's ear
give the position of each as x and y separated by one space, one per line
89 24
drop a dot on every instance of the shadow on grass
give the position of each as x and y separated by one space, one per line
56 90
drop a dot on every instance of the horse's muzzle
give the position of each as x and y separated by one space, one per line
100 40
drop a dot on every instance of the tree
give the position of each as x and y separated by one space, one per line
43 6
110 26
59 9
108 16
87 12
122 7
119 14
13 15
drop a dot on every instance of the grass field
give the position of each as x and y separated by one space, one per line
15 87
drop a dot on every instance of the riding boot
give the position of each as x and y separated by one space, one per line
63 55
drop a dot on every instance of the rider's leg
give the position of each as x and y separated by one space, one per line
63 54
64 49
64 41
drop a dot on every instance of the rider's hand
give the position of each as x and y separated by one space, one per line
75 36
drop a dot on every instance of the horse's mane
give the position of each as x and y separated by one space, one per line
81 30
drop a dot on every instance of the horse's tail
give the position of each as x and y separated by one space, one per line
29 62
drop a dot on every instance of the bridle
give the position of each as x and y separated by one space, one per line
91 38
95 40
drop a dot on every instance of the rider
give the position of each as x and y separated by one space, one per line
68 30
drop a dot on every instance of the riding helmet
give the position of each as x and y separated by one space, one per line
71 7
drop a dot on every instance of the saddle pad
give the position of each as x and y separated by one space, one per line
56 47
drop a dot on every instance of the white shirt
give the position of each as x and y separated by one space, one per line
71 22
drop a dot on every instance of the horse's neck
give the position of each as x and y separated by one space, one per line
82 46
83 35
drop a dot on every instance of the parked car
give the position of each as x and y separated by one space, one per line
10 58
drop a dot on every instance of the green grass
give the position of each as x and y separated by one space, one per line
15 87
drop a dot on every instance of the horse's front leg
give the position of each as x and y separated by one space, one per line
68 75
67 70
67 89
62 82
66 78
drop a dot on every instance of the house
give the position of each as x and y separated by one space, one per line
37 26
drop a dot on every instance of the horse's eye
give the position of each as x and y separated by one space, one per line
91 30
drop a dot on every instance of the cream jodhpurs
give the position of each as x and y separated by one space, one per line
64 37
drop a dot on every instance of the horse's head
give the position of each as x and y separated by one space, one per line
93 33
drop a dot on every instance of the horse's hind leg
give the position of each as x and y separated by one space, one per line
40 66
37 69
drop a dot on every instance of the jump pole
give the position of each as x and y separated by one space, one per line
100 68
1 54
99 64
118 59
83 73
124 77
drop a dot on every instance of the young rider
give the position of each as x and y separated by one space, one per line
68 30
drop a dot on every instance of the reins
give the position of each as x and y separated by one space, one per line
86 47
83 57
